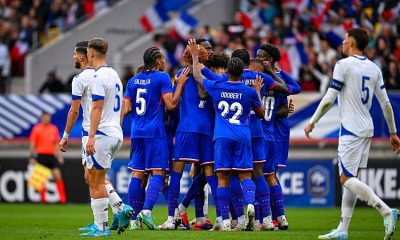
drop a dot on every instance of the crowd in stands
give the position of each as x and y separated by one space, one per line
28 24
309 35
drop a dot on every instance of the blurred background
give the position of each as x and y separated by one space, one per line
37 39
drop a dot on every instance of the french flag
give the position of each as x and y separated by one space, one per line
184 24
154 17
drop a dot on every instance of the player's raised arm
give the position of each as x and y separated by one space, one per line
172 99
293 86
257 85
387 110
280 85
194 51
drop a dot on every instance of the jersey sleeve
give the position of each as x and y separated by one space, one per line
210 74
269 82
77 89
293 86
339 73
166 84
209 86
99 87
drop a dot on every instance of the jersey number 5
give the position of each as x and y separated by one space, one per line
224 106
140 100
365 89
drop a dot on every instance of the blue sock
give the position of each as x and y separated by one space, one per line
236 195
223 201
173 192
135 196
165 192
257 211
232 210
277 201
197 186
249 191
213 182
199 204
262 196
154 189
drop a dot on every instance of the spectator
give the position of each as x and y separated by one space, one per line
327 54
52 84
4 67
74 14
128 74
44 149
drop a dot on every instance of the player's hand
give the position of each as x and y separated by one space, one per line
258 83
308 129
90 146
194 49
32 161
63 144
277 67
182 79
395 142
291 106
268 67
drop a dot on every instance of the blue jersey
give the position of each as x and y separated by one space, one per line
196 115
145 91
248 78
233 102
281 125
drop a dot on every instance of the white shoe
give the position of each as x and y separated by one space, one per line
217 227
390 223
267 225
226 225
167 225
250 217
334 234
136 225
234 223
239 227
282 223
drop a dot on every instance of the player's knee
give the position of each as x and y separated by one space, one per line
343 179
258 171
209 170
244 175
223 179
178 166
271 180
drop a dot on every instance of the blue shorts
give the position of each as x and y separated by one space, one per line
258 150
194 147
149 154
231 155
271 163
281 154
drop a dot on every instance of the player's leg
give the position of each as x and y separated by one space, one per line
262 188
55 166
236 195
280 155
157 163
223 198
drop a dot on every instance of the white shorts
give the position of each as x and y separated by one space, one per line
352 154
106 150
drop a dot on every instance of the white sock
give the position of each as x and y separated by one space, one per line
100 212
366 194
349 201
267 219
116 202
170 219
256 222
241 220
147 212
218 219
205 206
182 209
200 220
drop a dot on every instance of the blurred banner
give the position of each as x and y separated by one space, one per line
15 173
20 113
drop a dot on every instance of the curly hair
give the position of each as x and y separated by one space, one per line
272 51
203 56
217 60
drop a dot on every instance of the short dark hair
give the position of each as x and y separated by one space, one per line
99 45
218 60
200 40
149 58
243 54
258 62
81 47
272 51
235 67
361 36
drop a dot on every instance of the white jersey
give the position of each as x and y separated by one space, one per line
357 79
81 90
107 86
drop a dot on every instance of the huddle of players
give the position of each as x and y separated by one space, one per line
232 125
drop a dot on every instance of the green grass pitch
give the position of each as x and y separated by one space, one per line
36 221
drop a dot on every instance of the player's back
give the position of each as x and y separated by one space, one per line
233 102
81 90
192 108
360 78
107 86
145 91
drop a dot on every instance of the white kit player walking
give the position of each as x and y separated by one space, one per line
355 80
82 96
